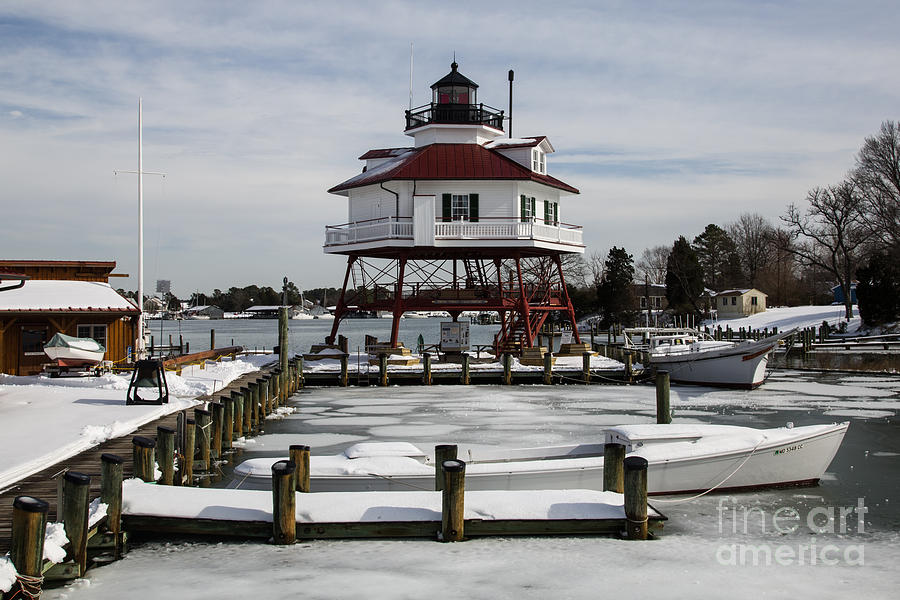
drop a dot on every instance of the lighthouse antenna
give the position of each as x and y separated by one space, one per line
410 73
510 102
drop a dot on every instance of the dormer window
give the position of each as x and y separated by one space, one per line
538 161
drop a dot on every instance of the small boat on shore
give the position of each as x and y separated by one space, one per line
68 351
691 356
682 459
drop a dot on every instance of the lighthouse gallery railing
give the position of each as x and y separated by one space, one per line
502 228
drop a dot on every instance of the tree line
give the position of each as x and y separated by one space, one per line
845 232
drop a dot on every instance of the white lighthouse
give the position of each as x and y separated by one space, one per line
465 219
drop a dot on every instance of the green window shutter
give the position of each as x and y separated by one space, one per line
556 213
523 208
473 207
547 214
445 208
533 211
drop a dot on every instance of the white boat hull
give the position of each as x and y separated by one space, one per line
784 457
73 357
742 365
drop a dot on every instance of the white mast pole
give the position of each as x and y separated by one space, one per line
139 346
410 74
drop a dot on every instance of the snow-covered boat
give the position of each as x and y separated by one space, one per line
682 459
693 357
68 351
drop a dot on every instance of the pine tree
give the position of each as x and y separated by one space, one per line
878 289
615 296
684 279
718 257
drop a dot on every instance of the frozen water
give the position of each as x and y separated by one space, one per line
711 547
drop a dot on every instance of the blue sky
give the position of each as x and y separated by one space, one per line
667 116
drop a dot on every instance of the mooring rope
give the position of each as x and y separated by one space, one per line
399 482
692 498
29 587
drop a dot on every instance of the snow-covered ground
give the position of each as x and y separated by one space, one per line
710 547
46 420
788 317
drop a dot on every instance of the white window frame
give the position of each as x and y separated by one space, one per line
92 332
459 207
538 161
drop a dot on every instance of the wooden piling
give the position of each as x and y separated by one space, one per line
227 422
663 413
586 367
299 372
613 468
165 441
507 369
187 453
299 455
636 497
426 368
254 405
284 504
344 344
283 352
343 380
144 457
382 370
548 368
629 372
29 525
247 400
464 376
218 424
76 491
204 425
212 339
111 495
442 453
452 501
237 398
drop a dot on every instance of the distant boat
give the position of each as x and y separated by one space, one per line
691 356
68 351
682 459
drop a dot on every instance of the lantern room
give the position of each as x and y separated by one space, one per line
454 100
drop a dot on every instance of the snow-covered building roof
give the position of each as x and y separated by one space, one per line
64 296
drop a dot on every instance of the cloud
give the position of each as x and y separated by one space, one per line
666 115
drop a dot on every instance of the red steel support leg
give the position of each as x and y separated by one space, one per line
341 308
398 303
523 304
568 301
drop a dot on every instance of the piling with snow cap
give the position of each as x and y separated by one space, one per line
165 441
76 492
238 399
442 453
29 525
187 456
452 501
284 504
144 458
227 422
636 497
215 436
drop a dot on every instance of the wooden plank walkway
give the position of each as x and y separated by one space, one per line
43 485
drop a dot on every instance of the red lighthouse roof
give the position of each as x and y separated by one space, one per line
446 161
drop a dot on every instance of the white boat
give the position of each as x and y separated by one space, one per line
690 356
68 351
682 459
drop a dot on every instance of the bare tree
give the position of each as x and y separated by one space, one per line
831 234
653 264
751 233
595 264
878 175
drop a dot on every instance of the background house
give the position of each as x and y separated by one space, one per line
69 297
652 295
739 303
838 293
203 312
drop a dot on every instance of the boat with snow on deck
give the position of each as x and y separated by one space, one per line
691 356
682 459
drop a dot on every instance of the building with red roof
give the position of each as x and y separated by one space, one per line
459 215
